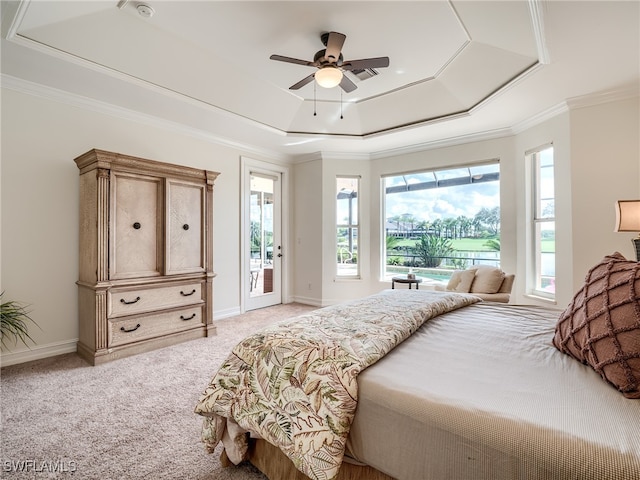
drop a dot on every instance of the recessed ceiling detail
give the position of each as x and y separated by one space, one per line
444 61
456 67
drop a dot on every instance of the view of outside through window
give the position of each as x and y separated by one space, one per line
440 221
347 226
261 265
545 225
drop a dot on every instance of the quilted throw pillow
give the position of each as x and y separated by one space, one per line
601 325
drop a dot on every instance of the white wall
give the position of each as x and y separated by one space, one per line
597 161
306 231
605 167
314 229
40 139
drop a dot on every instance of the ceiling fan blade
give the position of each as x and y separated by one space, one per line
334 46
297 61
378 62
347 85
302 82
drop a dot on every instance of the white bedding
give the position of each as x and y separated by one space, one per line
294 383
481 393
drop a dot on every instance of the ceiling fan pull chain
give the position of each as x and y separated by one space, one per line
341 117
314 99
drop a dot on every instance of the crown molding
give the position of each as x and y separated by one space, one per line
536 9
61 96
590 100
540 117
598 98
345 156
445 142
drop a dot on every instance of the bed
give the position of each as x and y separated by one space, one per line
463 389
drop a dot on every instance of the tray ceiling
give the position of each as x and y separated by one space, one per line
205 64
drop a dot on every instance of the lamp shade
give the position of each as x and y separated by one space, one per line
328 77
627 216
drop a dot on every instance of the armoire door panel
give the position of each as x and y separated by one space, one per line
136 239
185 243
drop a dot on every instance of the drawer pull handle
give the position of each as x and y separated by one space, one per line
182 317
130 329
185 226
137 225
187 294
132 301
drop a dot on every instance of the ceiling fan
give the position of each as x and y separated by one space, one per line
330 64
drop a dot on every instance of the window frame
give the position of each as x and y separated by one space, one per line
435 174
537 218
349 225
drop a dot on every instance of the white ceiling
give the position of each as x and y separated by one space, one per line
458 69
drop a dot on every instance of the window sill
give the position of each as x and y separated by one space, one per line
533 296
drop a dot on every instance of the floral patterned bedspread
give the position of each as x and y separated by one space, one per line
294 382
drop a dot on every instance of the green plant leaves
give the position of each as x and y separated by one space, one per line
14 319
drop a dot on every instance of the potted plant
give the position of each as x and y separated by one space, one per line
14 322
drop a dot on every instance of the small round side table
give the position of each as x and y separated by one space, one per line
403 279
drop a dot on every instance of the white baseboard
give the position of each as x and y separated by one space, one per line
308 301
229 312
37 352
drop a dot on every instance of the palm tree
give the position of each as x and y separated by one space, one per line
465 225
396 219
392 242
423 226
493 244
408 218
476 225
449 225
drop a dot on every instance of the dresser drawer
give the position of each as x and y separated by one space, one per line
133 329
128 301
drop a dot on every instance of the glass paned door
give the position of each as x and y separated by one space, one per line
264 248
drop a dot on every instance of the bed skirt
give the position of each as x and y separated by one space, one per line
275 465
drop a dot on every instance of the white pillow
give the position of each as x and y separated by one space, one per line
487 280
461 280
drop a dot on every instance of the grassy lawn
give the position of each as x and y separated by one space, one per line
464 244
548 246
477 245
471 245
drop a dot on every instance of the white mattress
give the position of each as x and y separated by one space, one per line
481 393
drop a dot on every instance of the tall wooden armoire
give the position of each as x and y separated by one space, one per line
146 255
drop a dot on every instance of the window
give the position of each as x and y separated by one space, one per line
438 221
347 226
541 277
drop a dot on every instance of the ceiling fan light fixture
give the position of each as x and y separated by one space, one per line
329 76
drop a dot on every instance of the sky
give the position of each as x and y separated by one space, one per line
446 202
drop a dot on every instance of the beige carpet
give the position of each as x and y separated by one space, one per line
131 418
